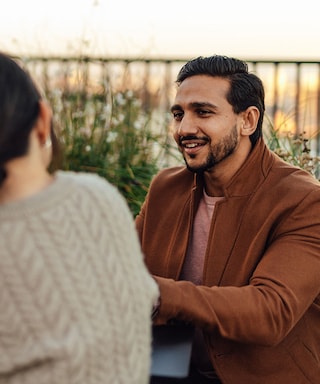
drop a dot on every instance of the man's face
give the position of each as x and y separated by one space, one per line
205 127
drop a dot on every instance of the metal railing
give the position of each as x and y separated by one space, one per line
292 86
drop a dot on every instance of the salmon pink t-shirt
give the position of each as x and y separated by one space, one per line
192 270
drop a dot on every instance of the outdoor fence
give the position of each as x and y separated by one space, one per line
292 87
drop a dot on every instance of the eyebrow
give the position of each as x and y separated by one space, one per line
195 104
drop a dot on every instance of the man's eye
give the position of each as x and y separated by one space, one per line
177 115
203 112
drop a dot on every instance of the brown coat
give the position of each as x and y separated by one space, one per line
259 306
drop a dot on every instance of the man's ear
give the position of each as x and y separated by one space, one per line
43 124
250 121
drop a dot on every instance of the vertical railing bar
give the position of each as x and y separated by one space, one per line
318 112
297 101
275 92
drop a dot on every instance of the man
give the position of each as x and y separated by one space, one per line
233 238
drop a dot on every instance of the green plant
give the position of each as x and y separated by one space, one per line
295 149
110 135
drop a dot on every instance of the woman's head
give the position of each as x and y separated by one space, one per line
19 110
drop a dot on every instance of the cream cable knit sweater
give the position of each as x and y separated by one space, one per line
75 296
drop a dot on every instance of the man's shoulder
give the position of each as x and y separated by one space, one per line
178 172
296 177
174 176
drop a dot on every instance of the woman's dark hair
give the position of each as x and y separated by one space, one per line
19 109
246 89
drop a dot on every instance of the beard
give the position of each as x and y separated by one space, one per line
218 152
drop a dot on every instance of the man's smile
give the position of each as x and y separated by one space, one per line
191 145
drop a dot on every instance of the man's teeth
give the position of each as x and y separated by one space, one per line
191 145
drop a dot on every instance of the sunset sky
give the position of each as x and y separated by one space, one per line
167 28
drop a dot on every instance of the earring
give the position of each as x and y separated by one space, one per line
48 142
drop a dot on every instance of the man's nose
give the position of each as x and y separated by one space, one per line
187 126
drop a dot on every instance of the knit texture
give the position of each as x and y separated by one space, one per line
75 295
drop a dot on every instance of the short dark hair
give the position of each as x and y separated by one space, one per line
246 89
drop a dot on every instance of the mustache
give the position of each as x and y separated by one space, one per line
192 137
